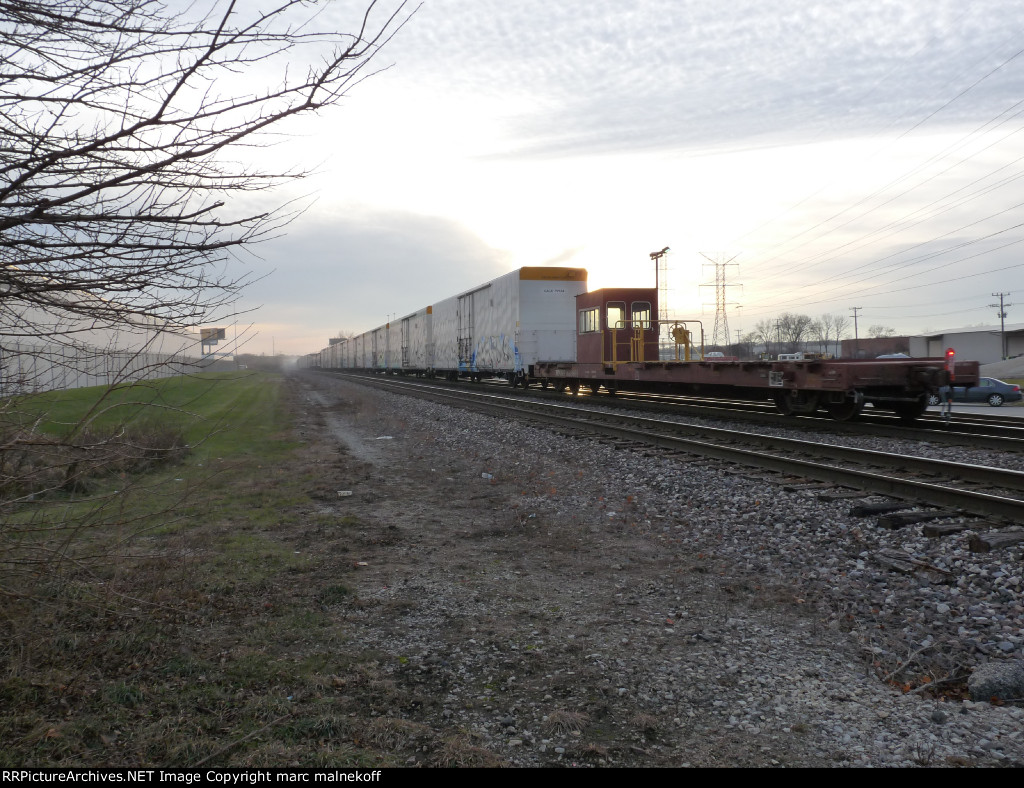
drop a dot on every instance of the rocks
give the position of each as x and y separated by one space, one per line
1000 681
606 607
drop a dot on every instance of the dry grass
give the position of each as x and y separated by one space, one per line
215 635
565 723
460 752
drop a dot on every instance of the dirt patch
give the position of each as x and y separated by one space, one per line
505 609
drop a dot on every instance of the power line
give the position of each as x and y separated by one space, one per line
919 123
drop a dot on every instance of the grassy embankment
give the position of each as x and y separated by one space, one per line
166 628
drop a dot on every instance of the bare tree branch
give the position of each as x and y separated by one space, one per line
114 123
117 225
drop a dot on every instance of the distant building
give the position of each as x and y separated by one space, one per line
873 347
982 344
46 349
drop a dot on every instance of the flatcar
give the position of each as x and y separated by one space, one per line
618 348
539 325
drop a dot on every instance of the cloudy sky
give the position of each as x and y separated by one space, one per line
854 154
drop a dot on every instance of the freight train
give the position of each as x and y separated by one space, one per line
541 326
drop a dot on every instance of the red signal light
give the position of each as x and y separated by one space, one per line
950 352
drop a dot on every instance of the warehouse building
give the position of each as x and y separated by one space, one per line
984 344
43 350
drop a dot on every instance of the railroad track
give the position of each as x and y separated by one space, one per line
1004 434
960 429
946 487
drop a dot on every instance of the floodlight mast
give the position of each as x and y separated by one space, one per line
661 283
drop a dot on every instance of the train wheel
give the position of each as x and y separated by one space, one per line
908 411
783 406
574 388
844 411
611 388
804 404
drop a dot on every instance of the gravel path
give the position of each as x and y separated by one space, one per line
543 600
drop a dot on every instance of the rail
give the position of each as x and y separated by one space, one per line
817 464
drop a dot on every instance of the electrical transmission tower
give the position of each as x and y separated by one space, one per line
720 336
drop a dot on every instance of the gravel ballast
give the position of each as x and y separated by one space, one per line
555 601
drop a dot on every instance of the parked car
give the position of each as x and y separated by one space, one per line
994 392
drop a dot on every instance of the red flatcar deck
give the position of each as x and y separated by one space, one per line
617 342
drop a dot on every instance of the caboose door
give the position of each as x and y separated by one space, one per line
617 332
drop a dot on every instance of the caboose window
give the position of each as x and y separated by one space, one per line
590 320
616 314
641 311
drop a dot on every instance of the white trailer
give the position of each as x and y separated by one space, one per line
359 354
413 343
380 350
504 327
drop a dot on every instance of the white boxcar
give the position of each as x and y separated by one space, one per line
507 325
366 350
412 342
380 348
332 355
358 343
392 356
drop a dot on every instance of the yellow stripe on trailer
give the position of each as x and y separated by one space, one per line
537 273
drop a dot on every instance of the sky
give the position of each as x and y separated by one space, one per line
835 155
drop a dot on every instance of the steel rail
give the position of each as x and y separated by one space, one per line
977 431
880 425
927 493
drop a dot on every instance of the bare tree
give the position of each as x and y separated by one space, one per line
830 328
794 330
879 331
841 329
114 168
766 332
126 130
821 329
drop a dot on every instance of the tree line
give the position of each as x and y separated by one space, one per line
792 332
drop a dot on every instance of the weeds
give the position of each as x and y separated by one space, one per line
564 723
157 611
456 751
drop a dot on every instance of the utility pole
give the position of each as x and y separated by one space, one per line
856 336
1002 321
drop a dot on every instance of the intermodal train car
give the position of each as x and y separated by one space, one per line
539 325
617 348
505 326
